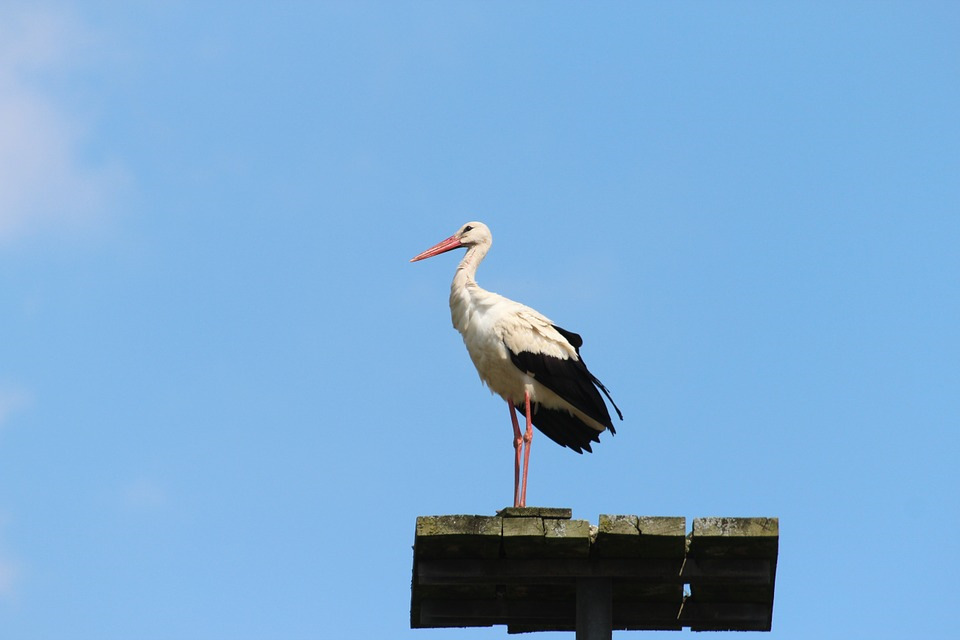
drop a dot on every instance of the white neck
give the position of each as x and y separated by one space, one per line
467 269
464 290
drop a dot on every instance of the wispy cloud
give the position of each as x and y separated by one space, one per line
11 400
144 494
45 182
8 577
9 571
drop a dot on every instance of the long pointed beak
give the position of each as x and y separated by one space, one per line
443 246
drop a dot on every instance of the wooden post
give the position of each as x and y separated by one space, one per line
594 609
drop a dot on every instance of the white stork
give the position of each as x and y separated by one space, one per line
524 358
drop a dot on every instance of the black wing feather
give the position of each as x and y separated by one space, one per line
572 381
577 342
573 338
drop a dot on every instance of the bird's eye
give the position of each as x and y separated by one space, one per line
467 228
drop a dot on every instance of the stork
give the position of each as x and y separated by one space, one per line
524 358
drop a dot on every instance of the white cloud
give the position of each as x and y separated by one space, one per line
11 400
45 184
9 572
8 577
144 494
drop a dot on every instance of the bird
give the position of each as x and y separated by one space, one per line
523 357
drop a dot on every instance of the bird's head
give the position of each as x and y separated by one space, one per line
469 235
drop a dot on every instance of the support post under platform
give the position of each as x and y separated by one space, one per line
594 609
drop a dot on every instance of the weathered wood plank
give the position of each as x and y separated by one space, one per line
548 570
458 536
536 512
564 538
725 571
746 543
557 615
523 537
724 616
742 537
624 536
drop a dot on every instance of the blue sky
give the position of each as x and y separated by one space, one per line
225 395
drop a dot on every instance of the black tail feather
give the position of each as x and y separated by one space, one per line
607 393
563 428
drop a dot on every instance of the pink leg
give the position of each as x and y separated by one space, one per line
517 441
527 440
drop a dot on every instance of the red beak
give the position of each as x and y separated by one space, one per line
443 246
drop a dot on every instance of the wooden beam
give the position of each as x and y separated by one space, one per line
555 570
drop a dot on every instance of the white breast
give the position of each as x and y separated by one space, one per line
491 327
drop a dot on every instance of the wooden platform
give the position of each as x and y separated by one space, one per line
531 568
